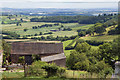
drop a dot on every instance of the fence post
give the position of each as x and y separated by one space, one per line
73 73
25 72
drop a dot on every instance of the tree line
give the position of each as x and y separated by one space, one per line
73 19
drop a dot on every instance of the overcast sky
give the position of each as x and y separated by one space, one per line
60 0
49 4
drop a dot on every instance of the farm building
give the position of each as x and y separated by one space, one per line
48 52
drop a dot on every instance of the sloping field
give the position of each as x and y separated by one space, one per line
101 38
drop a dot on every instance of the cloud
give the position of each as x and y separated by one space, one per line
74 0
59 0
46 4
13 0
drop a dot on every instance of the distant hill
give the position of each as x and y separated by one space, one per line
57 11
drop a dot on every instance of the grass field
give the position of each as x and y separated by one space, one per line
65 44
12 74
101 38
68 74
28 25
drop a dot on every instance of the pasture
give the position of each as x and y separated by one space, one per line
30 31
101 38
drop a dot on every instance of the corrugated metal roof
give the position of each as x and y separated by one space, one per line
53 57
36 48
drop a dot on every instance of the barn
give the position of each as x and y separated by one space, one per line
48 52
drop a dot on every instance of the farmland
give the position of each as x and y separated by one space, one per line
101 38
30 31
84 41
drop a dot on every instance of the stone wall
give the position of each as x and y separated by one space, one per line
116 75
117 69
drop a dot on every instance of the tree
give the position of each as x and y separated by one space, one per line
3 22
105 14
21 20
53 70
116 47
40 33
20 24
17 24
90 31
62 26
36 34
77 61
82 47
106 53
82 33
114 23
110 51
42 37
25 30
83 63
99 29
6 52
103 69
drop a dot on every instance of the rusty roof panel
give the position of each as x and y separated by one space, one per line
36 48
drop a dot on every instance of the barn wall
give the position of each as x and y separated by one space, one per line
60 62
14 58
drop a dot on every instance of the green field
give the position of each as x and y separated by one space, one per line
28 25
101 38
68 74
65 44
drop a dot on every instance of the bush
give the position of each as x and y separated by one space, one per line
91 42
25 30
48 33
94 42
69 47
7 37
36 69
53 70
11 34
82 33
80 41
39 68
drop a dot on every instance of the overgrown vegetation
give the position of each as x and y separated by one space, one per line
44 69
74 19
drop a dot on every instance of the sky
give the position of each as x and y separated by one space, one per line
60 0
58 3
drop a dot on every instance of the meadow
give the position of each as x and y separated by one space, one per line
108 38
30 31
26 24
68 74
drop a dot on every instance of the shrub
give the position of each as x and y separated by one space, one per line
48 33
69 47
82 33
53 70
25 30
36 69
39 68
